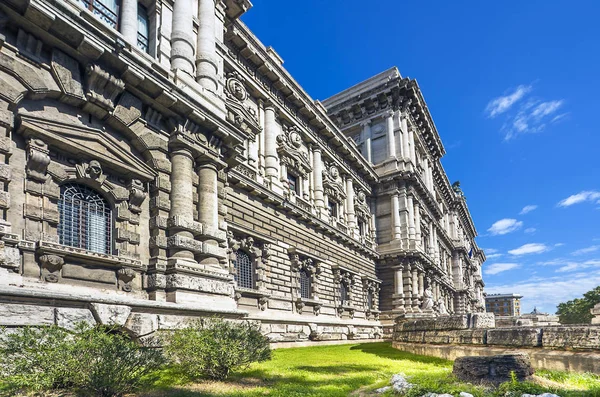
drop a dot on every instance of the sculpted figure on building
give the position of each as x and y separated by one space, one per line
153 173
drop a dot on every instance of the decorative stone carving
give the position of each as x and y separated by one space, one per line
51 266
102 87
137 195
317 309
333 184
262 302
289 148
38 161
238 113
361 207
259 254
125 276
94 169
299 305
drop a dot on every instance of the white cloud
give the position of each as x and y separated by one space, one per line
496 268
492 256
503 103
530 230
532 248
505 226
586 250
527 209
546 293
580 198
490 250
559 244
533 117
572 266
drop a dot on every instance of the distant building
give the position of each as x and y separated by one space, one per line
503 304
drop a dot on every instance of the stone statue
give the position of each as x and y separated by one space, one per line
457 189
442 307
427 299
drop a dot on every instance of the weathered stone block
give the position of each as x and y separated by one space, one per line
110 314
483 320
573 337
142 324
493 369
21 315
69 318
515 337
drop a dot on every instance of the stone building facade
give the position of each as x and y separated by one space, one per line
159 164
504 304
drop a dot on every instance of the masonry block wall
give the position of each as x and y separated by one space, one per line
159 164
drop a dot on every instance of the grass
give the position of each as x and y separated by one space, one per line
356 370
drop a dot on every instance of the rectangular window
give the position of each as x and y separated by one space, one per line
333 210
293 184
361 228
143 30
106 10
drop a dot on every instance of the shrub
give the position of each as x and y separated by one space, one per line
110 364
93 361
217 347
35 358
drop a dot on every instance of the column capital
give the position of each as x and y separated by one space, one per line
366 123
389 113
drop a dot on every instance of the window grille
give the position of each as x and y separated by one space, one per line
343 294
85 219
305 284
143 30
244 270
106 10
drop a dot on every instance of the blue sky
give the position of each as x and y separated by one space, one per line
513 90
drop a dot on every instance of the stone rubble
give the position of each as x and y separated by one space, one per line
540 395
400 384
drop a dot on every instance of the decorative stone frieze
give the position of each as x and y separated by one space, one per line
238 113
125 276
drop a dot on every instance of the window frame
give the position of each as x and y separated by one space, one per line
80 228
99 11
251 270
305 281
293 179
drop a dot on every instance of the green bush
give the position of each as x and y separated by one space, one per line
216 347
110 364
92 361
35 358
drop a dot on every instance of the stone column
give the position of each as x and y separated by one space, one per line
405 137
411 219
397 226
271 132
208 206
421 283
206 52
182 201
411 143
261 138
367 134
415 290
129 21
408 291
398 290
182 44
390 134
373 222
418 223
351 216
318 179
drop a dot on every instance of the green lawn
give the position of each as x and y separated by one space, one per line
357 369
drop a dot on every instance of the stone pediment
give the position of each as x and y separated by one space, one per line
86 143
238 113
333 183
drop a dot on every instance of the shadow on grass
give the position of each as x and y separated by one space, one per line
385 350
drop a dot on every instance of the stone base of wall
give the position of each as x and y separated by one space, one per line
558 360
141 318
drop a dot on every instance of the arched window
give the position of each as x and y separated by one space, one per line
343 294
244 274
85 219
305 282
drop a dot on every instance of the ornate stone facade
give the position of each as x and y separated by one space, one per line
152 173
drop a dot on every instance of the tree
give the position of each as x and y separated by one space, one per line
577 311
